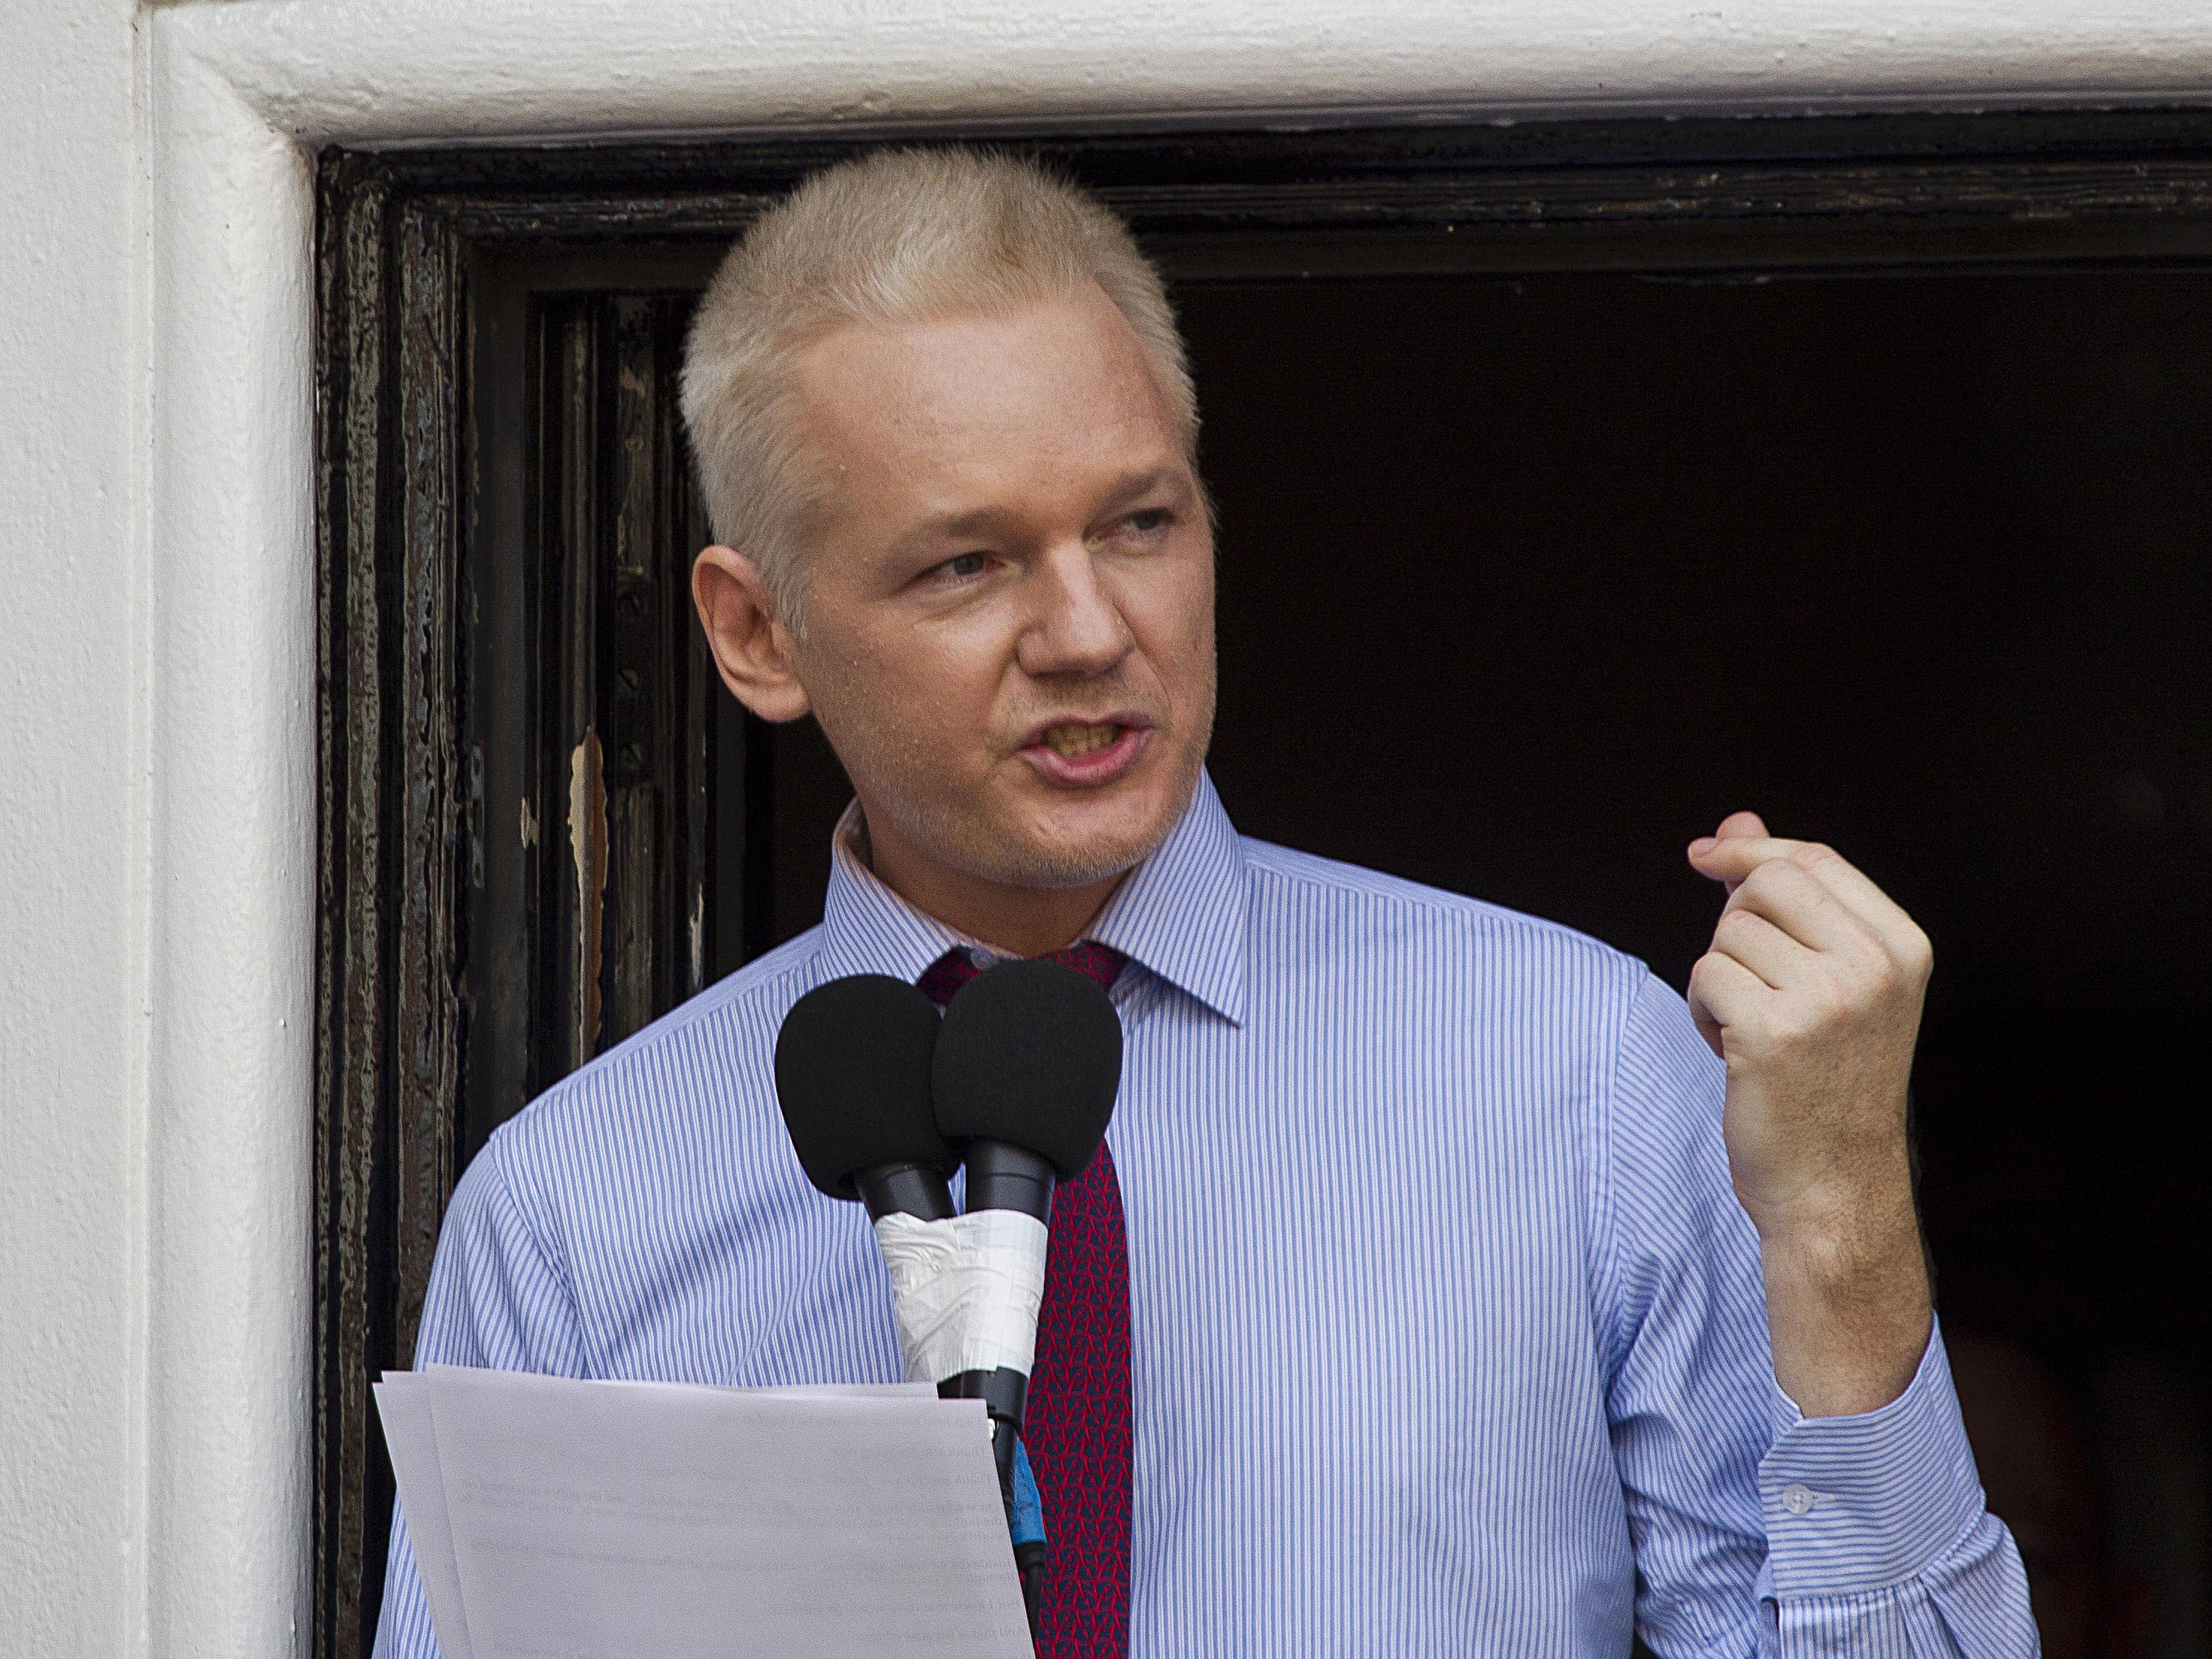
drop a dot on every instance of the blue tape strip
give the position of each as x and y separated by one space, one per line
1028 1509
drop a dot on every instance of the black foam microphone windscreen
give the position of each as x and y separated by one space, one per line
852 1065
1029 1055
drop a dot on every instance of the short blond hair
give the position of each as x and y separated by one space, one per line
891 237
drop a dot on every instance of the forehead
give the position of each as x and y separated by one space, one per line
920 417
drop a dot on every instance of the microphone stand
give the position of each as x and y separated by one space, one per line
1001 1176
919 1191
1004 1392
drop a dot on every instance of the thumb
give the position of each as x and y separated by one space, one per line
1734 826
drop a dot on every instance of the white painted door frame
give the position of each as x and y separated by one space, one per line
239 95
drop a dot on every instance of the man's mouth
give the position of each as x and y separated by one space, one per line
1087 754
1073 742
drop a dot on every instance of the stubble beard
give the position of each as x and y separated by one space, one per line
982 849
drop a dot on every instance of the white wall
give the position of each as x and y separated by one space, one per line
69 240
156 804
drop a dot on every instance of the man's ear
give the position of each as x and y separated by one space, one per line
750 647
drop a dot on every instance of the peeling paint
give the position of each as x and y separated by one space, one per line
475 817
587 846
529 824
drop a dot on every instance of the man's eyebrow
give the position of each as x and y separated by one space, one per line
950 526
978 520
1140 483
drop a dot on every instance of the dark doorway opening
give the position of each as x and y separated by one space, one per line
1542 547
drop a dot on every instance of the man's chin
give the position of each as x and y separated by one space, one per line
1054 869
1016 831
1062 860
1061 843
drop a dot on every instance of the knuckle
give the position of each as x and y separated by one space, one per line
1734 922
1827 1007
1901 963
1763 878
1879 971
1789 1029
1794 874
1827 1002
1918 951
1713 976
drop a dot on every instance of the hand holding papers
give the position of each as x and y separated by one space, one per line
598 1520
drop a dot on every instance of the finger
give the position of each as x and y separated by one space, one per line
1797 902
1737 856
1856 892
1737 828
1723 992
1751 938
1736 824
1731 861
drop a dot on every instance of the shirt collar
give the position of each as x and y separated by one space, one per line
867 928
1181 914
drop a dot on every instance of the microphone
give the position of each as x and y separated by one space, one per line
1027 1066
1024 1075
876 1089
852 1077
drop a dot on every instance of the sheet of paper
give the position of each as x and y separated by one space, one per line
614 1520
402 1402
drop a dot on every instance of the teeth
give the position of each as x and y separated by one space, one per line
1073 742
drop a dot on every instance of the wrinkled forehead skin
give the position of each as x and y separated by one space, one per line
924 421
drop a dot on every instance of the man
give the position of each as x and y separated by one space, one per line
1437 1291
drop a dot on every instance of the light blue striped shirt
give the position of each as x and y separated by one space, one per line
1448 1336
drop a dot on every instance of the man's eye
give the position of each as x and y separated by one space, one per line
1150 521
964 564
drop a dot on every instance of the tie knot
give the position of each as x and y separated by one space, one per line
1100 963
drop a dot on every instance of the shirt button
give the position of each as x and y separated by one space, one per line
1798 1498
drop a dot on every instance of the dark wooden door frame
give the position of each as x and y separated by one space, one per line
400 233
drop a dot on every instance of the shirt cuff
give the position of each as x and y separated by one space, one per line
1855 1503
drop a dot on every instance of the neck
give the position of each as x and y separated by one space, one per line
1022 921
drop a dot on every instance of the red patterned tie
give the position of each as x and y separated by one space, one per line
1076 1425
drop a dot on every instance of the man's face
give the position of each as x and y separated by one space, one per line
1009 610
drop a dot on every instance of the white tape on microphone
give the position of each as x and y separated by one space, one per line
966 1289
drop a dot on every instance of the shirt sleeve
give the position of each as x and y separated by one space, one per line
497 1298
1758 1531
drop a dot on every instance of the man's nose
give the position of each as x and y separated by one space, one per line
1076 628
